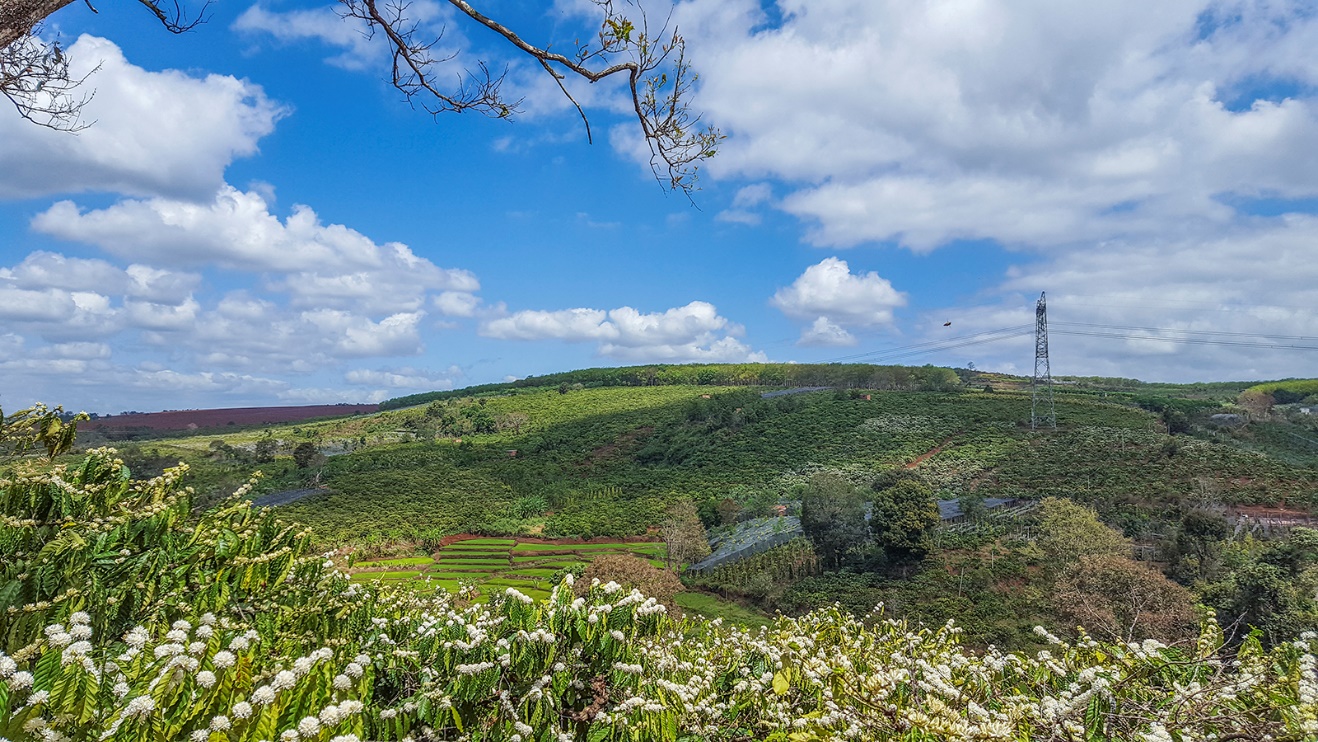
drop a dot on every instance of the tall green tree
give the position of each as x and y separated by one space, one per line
833 518
905 516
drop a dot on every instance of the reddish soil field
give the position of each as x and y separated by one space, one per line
193 419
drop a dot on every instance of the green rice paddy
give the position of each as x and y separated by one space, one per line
496 564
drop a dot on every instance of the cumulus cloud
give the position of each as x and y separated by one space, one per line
456 303
695 332
156 133
321 265
825 332
1039 124
832 296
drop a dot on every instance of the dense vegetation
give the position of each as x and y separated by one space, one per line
840 375
234 630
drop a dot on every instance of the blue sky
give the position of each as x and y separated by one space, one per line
256 218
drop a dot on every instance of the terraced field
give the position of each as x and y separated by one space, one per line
498 563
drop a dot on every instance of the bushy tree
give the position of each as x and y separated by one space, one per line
833 517
305 454
631 571
266 448
1118 599
1269 587
1069 530
904 518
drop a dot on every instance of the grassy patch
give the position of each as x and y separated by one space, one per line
709 606
486 542
402 562
372 576
535 572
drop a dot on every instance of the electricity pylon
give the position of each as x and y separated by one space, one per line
1042 412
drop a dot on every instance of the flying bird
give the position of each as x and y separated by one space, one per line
947 324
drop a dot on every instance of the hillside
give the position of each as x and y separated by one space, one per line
228 623
605 461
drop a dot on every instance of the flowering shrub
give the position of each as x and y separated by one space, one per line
234 632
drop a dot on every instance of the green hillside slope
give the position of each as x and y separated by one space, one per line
607 461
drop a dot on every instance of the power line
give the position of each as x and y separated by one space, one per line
1187 340
1186 332
931 346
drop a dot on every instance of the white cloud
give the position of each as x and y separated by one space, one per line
321 24
49 270
322 265
824 332
155 133
688 333
831 296
404 378
1037 124
456 303
80 350
1148 307
747 198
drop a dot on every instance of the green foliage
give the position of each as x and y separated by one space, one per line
833 518
856 375
763 576
1269 587
38 427
904 518
1069 531
1294 390
236 631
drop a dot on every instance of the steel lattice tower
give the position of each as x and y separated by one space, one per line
1042 412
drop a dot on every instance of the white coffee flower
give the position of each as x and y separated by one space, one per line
308 727
342 682
140 706
20 680
242 710
219 723
263 695
283 679
330 715
206 678
222 660
137 637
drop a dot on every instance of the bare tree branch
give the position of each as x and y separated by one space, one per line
659 78
34 74
19 17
